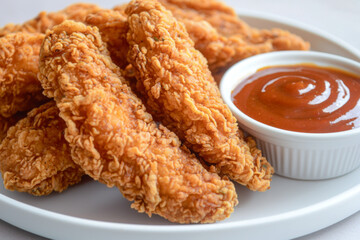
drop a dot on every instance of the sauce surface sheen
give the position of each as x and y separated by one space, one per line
302 98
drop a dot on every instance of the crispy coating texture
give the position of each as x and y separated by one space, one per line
6 123
116 141
112 25
35 157
19 56
20 89
180 92
44 20
223 38
113 28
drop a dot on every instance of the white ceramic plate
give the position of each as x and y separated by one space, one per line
289 209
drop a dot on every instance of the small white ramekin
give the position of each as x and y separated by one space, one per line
305 156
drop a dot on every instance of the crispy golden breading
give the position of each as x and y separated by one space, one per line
223 38
116 141
6 123
180 92
113 28
220 16
19 56
20 89
34 156
44 20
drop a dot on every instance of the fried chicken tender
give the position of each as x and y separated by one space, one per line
20 89
44 20
180 92
222 37
113 28
34 157
116 141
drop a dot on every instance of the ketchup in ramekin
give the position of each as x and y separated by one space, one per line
302 98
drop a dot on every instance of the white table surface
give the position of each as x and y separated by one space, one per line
339 18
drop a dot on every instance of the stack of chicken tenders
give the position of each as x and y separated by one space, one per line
128 96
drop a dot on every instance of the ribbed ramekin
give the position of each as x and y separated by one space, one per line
305 156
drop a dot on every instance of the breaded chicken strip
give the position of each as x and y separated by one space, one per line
116 141
113 28
180 92
44 20
34 157
20 89
223 38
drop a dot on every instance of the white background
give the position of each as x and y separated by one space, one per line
339 18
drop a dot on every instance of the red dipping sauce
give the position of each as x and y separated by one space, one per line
302 98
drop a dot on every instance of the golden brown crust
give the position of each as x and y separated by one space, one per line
44 20
34 156
116 141
223 38
20 89
113 28
112 25
6 123
180 92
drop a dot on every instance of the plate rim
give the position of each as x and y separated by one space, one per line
187 227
